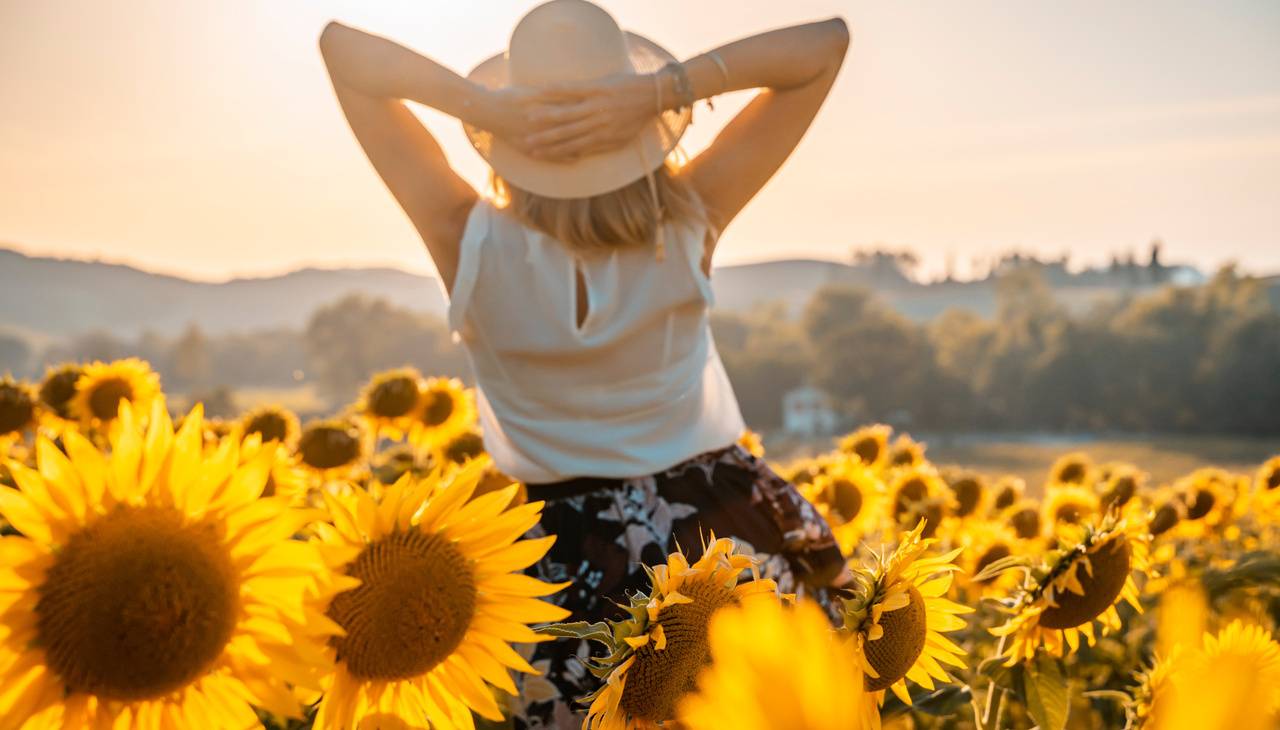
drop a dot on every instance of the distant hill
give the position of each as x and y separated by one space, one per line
63 296
44 298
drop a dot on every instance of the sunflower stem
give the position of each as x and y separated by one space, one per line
994 697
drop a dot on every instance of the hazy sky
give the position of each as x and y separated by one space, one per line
202 138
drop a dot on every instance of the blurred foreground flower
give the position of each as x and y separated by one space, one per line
775 666
153 587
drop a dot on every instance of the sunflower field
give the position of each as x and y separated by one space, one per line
368 570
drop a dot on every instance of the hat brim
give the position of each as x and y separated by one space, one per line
587 176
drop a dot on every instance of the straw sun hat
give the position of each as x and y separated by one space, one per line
569 41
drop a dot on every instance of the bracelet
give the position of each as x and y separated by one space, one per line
724 70
683 89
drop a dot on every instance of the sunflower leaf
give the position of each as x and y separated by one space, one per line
1003 565
1047 692
598 631
944 702
1001 675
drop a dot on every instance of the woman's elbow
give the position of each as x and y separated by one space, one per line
329 37
837 30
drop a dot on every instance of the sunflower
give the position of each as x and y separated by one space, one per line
391 464
915 493
1073 468
332 449
804 471
435 601
658 649
1267 480
493 479
1168 512
153 588
18 412
751 441
1007 490
273 423
1081 580
897 615
285 478
58 389
1252 646
1122 483
390 402
102 386
1068 504
755 681
1153 688
445 410
869 444
462 447
970 493
1208 494
906 452
1023 517
849 497
984 543
1231 679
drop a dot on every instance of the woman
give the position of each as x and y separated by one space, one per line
580 289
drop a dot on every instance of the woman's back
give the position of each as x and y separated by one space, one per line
632 388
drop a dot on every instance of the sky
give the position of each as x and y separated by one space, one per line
203 139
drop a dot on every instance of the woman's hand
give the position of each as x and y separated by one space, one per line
592 117
515 114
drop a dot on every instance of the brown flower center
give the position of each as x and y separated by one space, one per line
1164 519
656 679
867 449
968 493
914 490
893 654
1110 563
1200 505
1273 479
17 409
394 397
845 498
329 446
412 609
59 388
438 407
1006 497
1073 472
999 551
902 456
464 446
1025 523
273 425
137 604
1121 491
104 399
1071 513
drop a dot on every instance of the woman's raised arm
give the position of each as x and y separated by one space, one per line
372 77
793 66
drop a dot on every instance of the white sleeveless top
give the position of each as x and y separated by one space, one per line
639 387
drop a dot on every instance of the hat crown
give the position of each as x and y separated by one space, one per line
565 41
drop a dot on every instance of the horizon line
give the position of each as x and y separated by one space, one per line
371 265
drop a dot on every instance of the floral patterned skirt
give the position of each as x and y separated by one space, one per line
606 535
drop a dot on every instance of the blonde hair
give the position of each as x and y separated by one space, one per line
628 216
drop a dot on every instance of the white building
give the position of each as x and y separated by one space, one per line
808 411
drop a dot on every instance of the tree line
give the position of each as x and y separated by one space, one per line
1179 359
